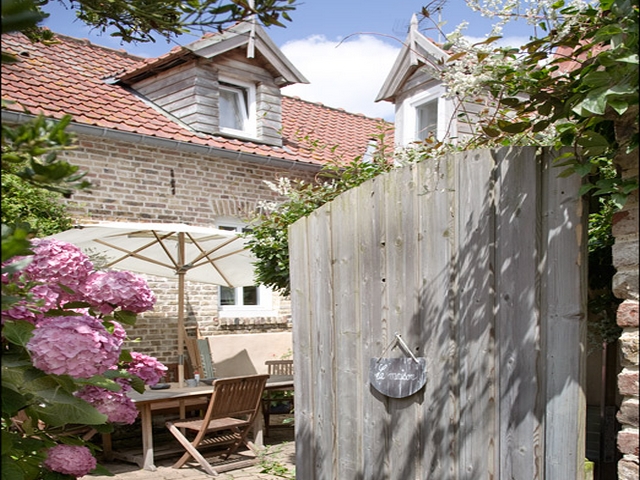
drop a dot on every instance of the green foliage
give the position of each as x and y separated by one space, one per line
144 20
575 87
30 151
274 467
40 210
268 240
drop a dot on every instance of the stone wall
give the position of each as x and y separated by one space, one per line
625 287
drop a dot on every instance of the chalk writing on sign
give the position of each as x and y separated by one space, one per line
398 377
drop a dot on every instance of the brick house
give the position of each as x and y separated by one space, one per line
189 137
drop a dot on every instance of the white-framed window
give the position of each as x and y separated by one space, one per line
427 113
427 120
237 108
250 301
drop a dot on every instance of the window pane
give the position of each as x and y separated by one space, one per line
231 109
227 296
427 121
250 295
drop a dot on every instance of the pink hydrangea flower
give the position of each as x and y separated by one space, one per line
78 346
56 262
70 460
43 299
107 290
55 265
115 405
119 333
149 369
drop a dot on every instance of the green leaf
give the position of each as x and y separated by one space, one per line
619 200
583 169
540 126
487 41
585 188
515 127
620 106
11 470
66 408
597 79
125 316
593 143
545 108
510 102
12 401
15 243
595 102
18 332
490 131
456 56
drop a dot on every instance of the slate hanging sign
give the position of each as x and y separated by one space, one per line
398 377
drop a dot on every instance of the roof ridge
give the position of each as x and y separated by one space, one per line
337 109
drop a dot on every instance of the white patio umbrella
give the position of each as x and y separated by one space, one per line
197 254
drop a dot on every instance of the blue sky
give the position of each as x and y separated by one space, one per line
345 48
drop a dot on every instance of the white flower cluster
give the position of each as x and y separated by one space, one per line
281 187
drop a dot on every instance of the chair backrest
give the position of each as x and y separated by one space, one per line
279 367
236 397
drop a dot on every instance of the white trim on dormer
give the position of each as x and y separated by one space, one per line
406 130
249 104
241 35
416 51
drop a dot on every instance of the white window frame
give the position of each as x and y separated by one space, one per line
445 110
265 295
247 94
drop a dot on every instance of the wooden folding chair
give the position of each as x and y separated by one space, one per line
276 367
233 406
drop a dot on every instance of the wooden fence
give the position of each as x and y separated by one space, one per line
477 261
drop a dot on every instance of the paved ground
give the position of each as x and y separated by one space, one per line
276 462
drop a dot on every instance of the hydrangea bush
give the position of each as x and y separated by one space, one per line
63 362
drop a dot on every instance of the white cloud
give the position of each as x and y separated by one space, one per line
349 74
345 75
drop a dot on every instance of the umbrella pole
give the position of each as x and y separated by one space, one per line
181 329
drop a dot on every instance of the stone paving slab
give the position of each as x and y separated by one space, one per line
276 462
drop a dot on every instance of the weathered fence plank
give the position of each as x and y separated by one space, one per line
324 342
475 261
346 271
474 313
437 233
563 299
372 248
301 276
517 316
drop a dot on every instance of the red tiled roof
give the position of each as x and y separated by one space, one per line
69 77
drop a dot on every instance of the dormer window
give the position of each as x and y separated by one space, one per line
427 114
427 120
237 108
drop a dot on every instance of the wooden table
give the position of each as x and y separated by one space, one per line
151 399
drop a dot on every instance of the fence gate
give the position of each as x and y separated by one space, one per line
472 266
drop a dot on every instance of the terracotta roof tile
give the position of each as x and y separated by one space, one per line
70 77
